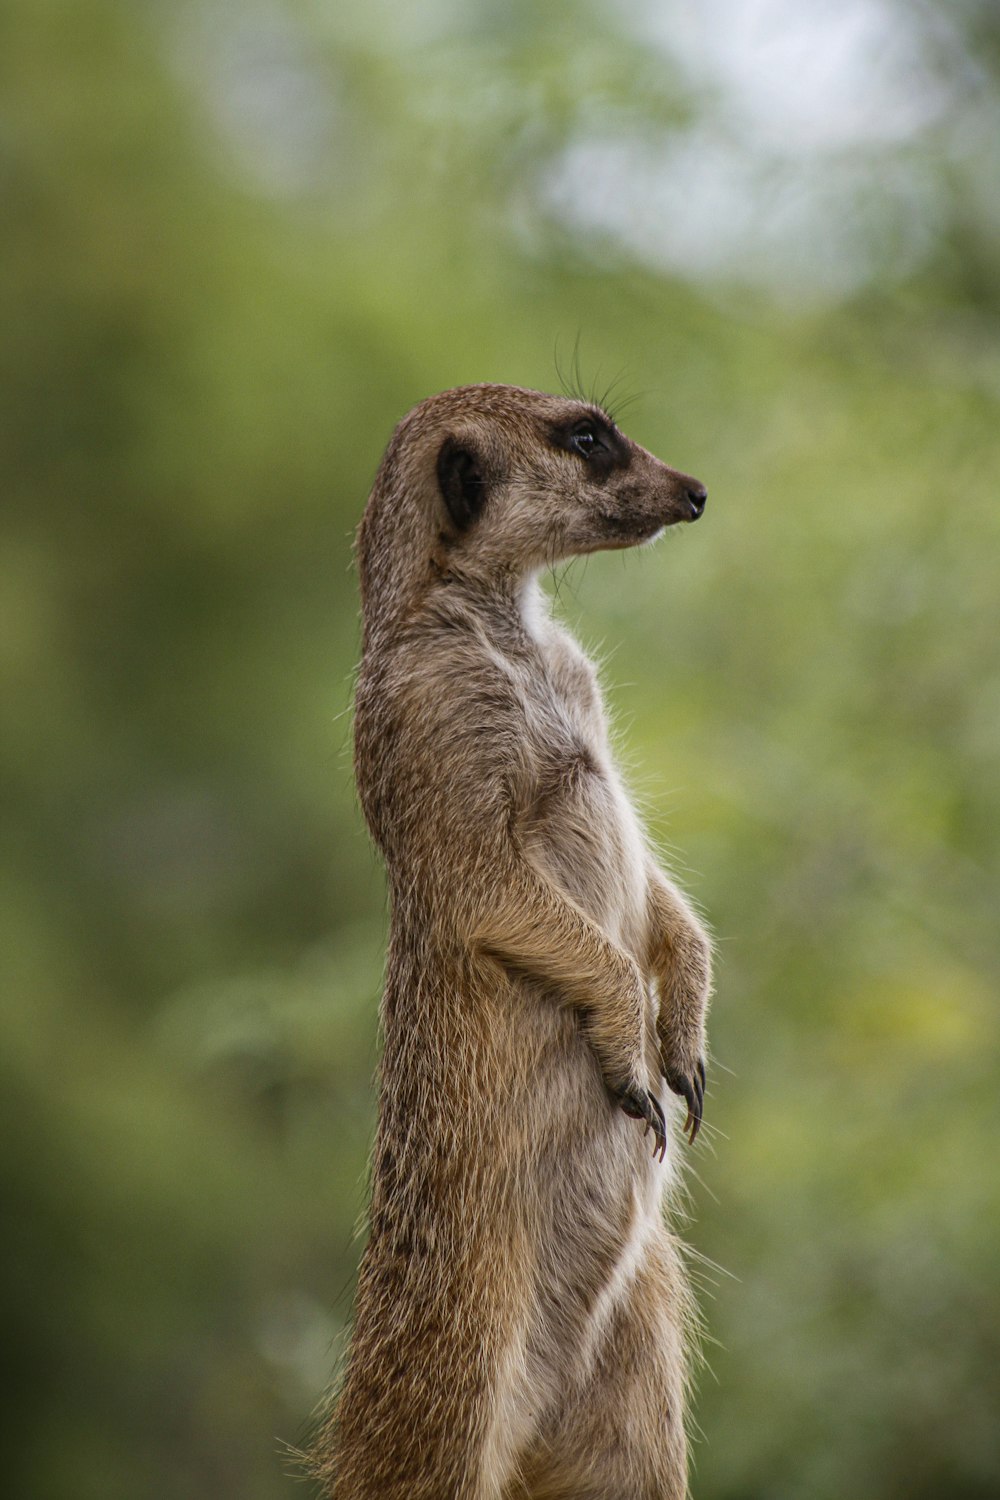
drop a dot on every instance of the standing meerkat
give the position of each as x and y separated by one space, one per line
521 1305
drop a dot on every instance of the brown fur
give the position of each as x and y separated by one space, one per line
521 1305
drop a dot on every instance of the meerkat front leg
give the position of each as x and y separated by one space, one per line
526 923
680 957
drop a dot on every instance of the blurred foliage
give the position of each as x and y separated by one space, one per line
238 242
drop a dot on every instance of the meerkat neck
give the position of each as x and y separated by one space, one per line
532 606
515 598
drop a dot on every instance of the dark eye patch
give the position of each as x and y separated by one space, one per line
594 440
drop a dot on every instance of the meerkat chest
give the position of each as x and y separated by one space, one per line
577 820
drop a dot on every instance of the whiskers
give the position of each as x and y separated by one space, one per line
613 398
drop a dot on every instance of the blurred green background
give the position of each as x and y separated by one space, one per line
238 241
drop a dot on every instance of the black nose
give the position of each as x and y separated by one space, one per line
696 495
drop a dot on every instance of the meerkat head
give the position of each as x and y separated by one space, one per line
493 480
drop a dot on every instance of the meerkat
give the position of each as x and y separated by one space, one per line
521 1307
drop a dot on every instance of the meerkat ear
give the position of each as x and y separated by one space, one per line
463 486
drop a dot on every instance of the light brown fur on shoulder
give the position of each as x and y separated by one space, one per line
521 1306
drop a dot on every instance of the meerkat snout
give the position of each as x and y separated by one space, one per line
697 495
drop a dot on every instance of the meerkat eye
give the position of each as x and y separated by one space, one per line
584 440
593 440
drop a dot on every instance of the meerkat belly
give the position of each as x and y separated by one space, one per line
600 1217
582 831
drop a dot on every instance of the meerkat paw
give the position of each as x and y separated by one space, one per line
689 1083
639 1104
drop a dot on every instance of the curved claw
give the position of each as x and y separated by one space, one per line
659 1128
692 1091
640 1104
